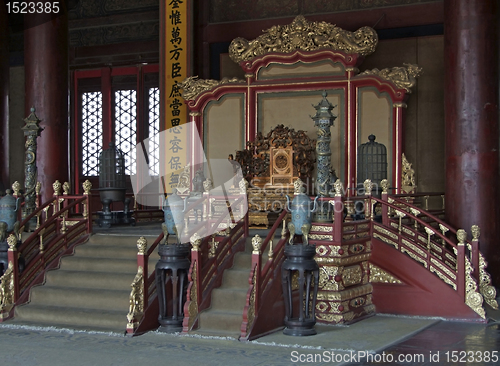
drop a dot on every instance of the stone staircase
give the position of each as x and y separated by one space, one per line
225 315
91 289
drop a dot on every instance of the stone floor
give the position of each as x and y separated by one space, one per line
380 340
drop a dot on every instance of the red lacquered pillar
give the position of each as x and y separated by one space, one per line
46 87
4 98
471 113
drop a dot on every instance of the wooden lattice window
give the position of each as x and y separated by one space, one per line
119 105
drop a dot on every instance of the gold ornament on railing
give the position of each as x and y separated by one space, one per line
207 185
400 214
87 186
256 244
213 247
63 225
384 183
304 35
270 253
136 300
283 231
142 245
415 212
40 234
12 242
407 176
251 301
485 288
475 231
339 188
65 188
368 186
195 242
461 236
57 188
473 298
297 186
16 187
38 188
444 230
429 232
7 290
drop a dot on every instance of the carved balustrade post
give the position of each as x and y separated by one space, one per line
256 264
385 209
461 273
338 211
368 186
31 131
142 261
14 259
483 278
196 259
474 252
87 212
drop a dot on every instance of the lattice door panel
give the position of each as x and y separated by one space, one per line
126 126
154 130
91 132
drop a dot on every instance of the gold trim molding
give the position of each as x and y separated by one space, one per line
380 275
192 86
306 36
404 77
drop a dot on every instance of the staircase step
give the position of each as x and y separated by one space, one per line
86 279
76 318
81 297
230 300
108 251
100 264
236 278
242 261
221 321
120 240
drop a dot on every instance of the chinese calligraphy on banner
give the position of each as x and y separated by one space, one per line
176 64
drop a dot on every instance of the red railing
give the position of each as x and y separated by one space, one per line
56 233
209 257
261 276
440 248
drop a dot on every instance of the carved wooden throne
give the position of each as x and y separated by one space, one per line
271 164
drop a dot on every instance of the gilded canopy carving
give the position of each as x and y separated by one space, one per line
403 77
307 36
192 86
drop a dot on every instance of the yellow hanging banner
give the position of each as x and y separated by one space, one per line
175 58
176 61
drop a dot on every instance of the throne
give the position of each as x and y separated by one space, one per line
271 164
